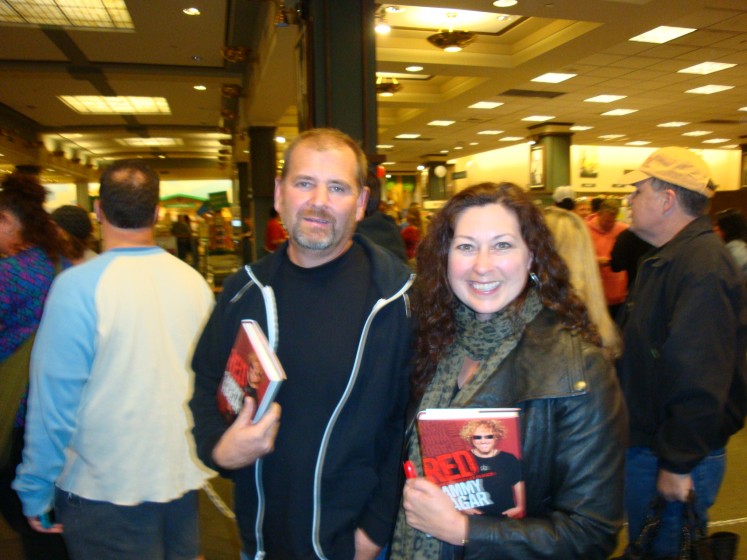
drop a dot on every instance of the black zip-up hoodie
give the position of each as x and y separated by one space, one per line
358 464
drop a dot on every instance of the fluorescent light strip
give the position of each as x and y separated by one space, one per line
706 68
619 112
97 14
490 105
605 98
553 78
103 105
662 34
709 89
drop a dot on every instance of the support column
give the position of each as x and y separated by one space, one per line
81 195
262 178
246 211
339 69
555 141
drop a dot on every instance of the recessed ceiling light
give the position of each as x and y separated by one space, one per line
579 128
414 68
389 163
605 98
382 26
709 89
385 146
191 11
441 123
716 140
485 105
662 34
637 143
706 68
161 156
200 87
474 143
511 138
553 78
611 136
490 132
619 112
505 3
421 167
444 152
697 133
280 139
742 109
458 147
538 118
407 136
673 124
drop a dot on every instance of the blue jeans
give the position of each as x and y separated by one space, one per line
147 531
641 471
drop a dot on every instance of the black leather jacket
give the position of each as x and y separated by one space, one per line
573 445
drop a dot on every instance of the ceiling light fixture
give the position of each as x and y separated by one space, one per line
387 87
505 3
619 112
662 34
451 41
709 89
191 11
382 26
485 105
706 68
553 77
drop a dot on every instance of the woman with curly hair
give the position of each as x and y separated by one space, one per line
32 250
501 326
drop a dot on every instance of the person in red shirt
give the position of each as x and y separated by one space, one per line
275 233
604 229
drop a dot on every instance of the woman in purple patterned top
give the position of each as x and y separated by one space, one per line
32 252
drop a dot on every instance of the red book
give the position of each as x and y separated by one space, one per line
252 370
474 454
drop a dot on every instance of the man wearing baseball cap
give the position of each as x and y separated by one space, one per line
683 370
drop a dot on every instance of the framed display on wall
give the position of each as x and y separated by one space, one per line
537 167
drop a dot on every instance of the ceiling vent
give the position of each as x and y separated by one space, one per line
532 93
721 121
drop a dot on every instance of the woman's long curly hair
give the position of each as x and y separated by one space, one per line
23 196
434 301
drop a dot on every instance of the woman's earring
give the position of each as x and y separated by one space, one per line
535 279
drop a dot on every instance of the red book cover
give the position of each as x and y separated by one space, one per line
474 454
252 370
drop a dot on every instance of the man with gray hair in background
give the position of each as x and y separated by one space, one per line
684 332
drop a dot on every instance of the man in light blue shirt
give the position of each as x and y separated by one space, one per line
108 442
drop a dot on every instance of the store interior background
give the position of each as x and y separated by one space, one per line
234 70
453 119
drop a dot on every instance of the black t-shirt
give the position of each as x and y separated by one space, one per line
321 312
499 474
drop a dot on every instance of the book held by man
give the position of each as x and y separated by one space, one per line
474 454
253 370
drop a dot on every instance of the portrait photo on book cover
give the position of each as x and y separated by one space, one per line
477 463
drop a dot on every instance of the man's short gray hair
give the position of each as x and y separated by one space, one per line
693 203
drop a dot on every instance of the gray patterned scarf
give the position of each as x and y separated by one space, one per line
488 342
